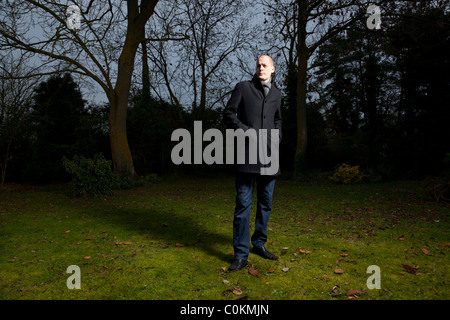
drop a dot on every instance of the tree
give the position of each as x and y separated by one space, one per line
103 49
165 28
150 125
15 102
353 77
384 92
198 70
419 45
56 118
296 30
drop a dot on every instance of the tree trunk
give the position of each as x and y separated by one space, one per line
118 98
302 53
145 72
203 93
120 150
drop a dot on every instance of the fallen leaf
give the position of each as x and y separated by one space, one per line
87 257
344 254
425 251
67 231
178 245
444 244
225 281
90 237
253 271
409 269
237 291
285 269
270 271
353 292
338 271
128 243
224 268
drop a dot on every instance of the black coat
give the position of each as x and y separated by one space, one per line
249 108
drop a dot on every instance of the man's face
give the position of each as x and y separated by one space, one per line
264 68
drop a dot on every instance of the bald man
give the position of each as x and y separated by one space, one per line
254 104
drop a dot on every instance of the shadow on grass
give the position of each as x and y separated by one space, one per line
171 229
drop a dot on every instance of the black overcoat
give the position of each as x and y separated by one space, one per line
249 108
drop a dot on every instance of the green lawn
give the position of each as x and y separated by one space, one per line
173 240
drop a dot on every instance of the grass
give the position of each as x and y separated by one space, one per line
173 240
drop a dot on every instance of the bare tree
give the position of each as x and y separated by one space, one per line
100 45
164 33
198 71
295 29
15 101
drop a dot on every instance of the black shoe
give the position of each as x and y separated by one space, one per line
238 264
261 251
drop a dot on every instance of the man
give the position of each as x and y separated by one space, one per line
254 104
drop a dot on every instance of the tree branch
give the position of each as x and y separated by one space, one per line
185 37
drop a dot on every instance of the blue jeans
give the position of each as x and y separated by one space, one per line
241 222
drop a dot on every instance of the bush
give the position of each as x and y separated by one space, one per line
346 174
90 176
151 178
439 189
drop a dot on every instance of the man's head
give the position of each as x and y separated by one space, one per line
264 68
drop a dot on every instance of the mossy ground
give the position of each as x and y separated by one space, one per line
173 240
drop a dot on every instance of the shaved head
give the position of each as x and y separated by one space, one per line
264 68
267 56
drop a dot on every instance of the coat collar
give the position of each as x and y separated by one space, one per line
258 84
